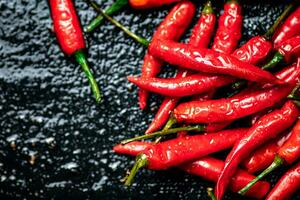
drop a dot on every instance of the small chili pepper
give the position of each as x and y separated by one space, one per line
265 129
208 61
177 151
288 29
264 156
115 7
288 153
200 37
143 4
171 28
180 87
229 29
288 50
288 184
69 35
208 168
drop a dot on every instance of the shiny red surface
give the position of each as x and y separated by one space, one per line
144 4
290 48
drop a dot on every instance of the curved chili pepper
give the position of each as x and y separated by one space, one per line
288 184
208 168
180 87
177 151
115 7
201 35
229 29
208 61
288 50
265 129
264 156
289 29
288 153
144 4
171 28
70 38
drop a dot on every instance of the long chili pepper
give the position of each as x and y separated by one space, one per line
69 35
180 87
265 129
143 4
207 60
177 151
208 168
229 29
200 37
288 50
289 29
171 28
264 156
115 7
288 184
288 153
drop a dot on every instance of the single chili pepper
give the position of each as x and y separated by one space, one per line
208 61
177 151
171 28
144 4
208 168
229 29
69 35
288 184
265 129
288 153
201 35
264 156
288 29
115 7
180 87
288 50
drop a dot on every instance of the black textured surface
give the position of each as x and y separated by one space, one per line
55 142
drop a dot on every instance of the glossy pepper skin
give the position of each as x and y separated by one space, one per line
265 129
144 4
290 48
229 29
264 156
201 35
171 28
289 29
177 151
181 87
208 168
208 61
288 184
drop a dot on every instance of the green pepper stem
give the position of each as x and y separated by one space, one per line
115 7
283 15
211 194
207 8
165 132
81 59
277 58
137 38
172 120
294 93
141 161
278 161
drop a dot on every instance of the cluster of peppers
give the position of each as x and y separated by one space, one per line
270 100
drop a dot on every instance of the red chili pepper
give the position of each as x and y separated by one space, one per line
208 168
177 151
201 35
70 37
208 61
171 28
144 4
265 129
288 184
180 87
229 29
289 29
264 156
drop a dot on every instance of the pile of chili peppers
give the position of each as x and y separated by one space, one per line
261 77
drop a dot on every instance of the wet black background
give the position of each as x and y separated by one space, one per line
55 142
